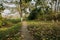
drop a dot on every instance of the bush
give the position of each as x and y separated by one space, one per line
10 33
44 31
40 13
2 21
14 20
33 14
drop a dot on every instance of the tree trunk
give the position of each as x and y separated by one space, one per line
21 9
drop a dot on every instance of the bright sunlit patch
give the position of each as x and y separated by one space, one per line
7 11
9 5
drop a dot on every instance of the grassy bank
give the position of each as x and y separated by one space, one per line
44 30
11 33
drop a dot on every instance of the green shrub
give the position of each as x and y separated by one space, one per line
0 23
14 20
34 13
10 32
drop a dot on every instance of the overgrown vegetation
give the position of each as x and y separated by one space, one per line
45 15
45 12
41 11
3 21
14 20
11 33
44 30
1 7
10 29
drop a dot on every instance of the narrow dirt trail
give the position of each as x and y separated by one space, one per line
25 33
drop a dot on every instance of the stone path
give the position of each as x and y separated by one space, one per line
25 34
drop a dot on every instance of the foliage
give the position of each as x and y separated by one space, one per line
10 33
39 12
2 21
14 20
1 7
44 30
33 14
27 1
45 12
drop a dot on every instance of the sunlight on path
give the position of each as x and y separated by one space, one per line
25 33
